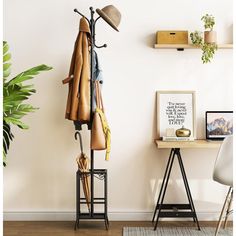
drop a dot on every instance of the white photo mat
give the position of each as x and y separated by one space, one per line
174 110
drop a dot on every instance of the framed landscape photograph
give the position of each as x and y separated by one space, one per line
219 124
175 109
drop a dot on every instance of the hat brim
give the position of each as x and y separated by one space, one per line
107 19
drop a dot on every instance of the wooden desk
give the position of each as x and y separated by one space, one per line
186 210
198 143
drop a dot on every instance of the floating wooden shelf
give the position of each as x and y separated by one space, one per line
188 46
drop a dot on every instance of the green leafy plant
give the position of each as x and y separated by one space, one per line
209 22
15 92
196 38
208 49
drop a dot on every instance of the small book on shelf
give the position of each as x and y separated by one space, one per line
174 138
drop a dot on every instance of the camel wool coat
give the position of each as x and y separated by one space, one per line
78 101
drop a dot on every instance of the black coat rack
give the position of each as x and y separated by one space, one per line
100 174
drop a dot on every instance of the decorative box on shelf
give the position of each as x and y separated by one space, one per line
172 37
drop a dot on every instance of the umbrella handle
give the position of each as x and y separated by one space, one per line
80 140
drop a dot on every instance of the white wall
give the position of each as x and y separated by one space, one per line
40 176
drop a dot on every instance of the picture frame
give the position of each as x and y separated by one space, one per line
219 124
174 110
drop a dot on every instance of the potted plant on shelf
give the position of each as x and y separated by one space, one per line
208 45
209 33
15 92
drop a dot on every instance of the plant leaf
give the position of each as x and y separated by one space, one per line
4 159
19 111
7 138
15 121
6 57
6 66
28 74
14 93
6 73
5 47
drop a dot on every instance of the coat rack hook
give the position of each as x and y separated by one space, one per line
97 20
75 10
91 9
103 46
80 140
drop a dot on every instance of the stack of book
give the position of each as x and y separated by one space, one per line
174 138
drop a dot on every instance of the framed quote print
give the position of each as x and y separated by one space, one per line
175 109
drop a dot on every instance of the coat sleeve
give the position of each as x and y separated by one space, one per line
78 65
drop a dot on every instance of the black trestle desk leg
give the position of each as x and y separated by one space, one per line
163 181
186 183
187 188
162 207
165 186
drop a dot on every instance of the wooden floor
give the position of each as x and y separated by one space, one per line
66 228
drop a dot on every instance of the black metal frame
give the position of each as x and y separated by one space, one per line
164 209
99 173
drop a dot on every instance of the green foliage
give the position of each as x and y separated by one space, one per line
196 38
14 94
209 22
208 51
6 58
7 138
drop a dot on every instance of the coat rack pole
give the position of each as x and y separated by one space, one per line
100 174
91 105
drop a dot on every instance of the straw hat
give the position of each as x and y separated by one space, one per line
111 15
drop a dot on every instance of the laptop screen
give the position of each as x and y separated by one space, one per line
219 124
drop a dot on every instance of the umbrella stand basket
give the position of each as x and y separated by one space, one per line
100 174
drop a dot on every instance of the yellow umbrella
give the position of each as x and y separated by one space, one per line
83 165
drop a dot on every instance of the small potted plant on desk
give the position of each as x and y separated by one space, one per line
208 45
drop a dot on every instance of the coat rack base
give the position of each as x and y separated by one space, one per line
100 174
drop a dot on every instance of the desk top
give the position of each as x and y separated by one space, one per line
198 143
